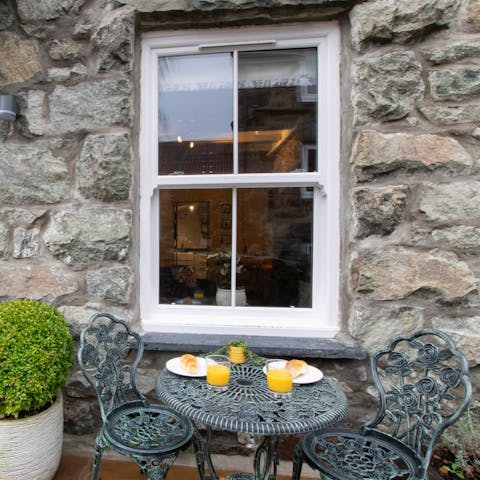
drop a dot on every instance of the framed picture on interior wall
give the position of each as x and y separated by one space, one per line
226 223
226 208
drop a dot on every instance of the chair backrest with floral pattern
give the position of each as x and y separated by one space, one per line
109 354
423 384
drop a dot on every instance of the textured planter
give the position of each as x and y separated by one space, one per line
223 297
31 447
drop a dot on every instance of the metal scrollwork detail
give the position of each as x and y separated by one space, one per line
424 381
147 428
155 468
360 457
423 386
418 402
107 347
152 435
249 406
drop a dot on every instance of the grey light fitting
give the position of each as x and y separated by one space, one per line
8 107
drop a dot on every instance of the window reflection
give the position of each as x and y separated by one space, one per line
273 262
275 243
277 133
277 109
195 114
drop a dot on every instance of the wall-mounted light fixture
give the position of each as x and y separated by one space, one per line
8 107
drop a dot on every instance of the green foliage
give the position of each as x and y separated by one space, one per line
454 469
36 356
223 266
463 440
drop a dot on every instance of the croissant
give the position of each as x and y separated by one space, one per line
189 363
296 367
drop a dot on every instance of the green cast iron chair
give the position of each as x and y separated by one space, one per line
423 386
152 435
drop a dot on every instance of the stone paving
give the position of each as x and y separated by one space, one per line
78 467
77 454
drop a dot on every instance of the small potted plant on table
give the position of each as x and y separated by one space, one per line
36 356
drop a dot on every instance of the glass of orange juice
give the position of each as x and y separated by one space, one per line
218 372
279 378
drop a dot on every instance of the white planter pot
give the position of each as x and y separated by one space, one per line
30 448
223 297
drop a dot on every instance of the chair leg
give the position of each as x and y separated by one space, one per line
297 461
155 468
97 457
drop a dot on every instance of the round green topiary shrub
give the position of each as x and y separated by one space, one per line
36 356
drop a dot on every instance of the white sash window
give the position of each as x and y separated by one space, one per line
239 161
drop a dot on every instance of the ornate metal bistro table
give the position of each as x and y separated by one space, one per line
249 407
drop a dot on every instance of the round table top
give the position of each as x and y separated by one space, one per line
248 406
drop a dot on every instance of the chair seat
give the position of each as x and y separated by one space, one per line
348 454
136 429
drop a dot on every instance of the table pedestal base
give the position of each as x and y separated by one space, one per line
265 462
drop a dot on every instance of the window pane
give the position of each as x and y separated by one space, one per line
274 245
195 114
277 105
193 224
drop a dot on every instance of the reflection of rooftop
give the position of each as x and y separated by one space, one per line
203 158
191 157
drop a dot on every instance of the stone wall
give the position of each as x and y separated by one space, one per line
410 164
415 192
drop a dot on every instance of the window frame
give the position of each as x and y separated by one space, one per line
322 319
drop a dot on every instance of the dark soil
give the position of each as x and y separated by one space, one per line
441 466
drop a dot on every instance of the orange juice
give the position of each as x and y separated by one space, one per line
237 354
279 380
218 375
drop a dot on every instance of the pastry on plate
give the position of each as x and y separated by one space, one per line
189 363
296 367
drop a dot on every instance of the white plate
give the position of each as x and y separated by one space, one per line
312 375
174 366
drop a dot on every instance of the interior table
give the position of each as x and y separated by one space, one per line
249 407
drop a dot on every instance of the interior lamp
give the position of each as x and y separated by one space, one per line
8 107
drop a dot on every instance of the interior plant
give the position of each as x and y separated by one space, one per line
223 265
36 357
